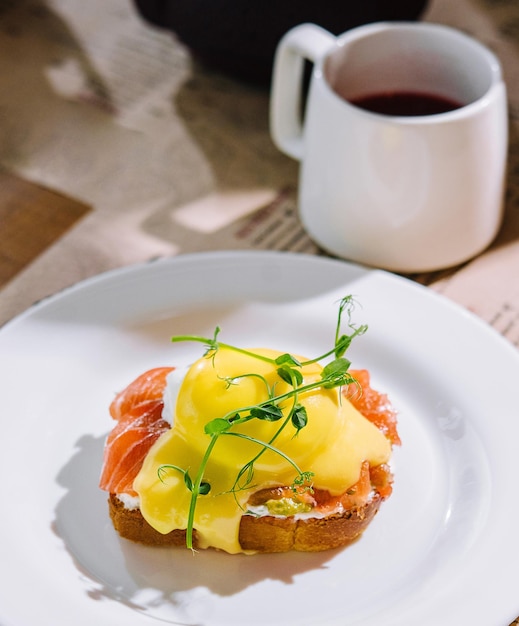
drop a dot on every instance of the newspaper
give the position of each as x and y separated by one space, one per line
176 158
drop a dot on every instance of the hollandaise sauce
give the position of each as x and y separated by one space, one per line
333 444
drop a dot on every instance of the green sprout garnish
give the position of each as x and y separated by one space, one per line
334 374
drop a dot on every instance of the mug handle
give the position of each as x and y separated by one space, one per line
306 41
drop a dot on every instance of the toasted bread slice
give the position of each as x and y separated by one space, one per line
265 533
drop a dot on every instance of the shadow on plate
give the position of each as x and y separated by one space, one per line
161 582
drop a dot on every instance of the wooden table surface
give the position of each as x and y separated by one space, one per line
32 218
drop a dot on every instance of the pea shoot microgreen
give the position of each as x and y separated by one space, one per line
334 374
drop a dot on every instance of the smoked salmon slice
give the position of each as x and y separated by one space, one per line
375 406
138 411
378 478
148 386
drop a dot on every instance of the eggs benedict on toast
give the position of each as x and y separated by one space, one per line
250 450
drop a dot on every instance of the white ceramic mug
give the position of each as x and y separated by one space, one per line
406 193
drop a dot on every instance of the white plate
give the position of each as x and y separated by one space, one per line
442 550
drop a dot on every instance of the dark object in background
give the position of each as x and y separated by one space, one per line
239 37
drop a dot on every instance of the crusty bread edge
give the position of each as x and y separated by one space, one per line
260 534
